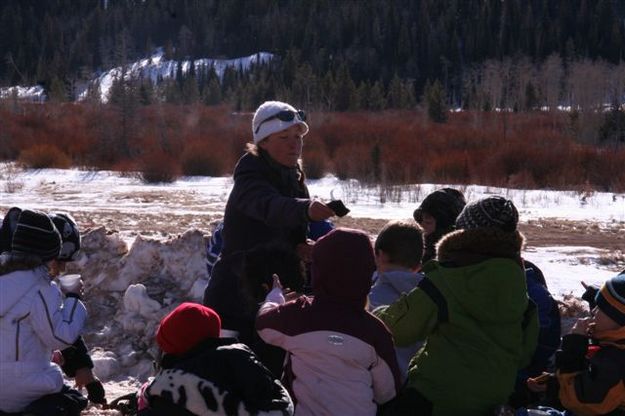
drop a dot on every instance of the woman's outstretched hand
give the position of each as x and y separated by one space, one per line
318 211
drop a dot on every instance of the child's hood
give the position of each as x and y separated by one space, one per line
481 269
16 284
493 291
342 266
401 281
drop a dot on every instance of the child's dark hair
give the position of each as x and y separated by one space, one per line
258 266
402 242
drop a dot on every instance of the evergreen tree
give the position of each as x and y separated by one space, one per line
212 92
190 89
57 91
394 97
345 90
436 102
146 92
377 100
375 40
362 96
124 99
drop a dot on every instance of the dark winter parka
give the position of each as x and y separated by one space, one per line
268 203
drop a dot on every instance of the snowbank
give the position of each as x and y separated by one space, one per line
128 291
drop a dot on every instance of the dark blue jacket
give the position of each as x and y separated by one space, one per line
548 316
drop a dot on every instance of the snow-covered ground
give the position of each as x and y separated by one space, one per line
133 277
198 200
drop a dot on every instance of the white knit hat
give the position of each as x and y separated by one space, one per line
268 125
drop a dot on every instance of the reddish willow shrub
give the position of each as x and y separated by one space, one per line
41 156
524 150
158 167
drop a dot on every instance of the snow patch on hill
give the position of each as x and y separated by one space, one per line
156 68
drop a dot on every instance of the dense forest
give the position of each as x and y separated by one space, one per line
541 84
331 54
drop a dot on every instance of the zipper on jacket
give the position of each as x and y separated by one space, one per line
17 336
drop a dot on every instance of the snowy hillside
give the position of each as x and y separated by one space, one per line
154 68
34 93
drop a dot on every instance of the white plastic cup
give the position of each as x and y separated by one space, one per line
69 282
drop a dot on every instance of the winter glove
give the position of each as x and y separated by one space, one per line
590 295
95 392
76 357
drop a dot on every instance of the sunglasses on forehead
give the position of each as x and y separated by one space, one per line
284 115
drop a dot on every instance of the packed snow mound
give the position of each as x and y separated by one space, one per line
129 289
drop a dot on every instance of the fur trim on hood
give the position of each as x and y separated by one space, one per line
465 247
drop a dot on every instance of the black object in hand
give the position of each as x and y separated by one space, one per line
338 207
95 392
589 296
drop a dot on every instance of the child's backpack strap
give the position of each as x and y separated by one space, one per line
437 297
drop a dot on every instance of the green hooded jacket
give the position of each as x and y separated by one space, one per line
478 323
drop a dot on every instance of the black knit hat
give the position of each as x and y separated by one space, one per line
444 205
494 211
611 299
35 234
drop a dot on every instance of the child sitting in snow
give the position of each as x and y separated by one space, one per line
473 311
398 252
340 357
202 374
590 366
74 360
35 319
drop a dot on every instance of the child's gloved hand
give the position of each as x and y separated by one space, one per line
590 294
275 295
95 392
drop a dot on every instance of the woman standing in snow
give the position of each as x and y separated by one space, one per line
269 204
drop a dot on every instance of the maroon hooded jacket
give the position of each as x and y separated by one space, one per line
341 358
